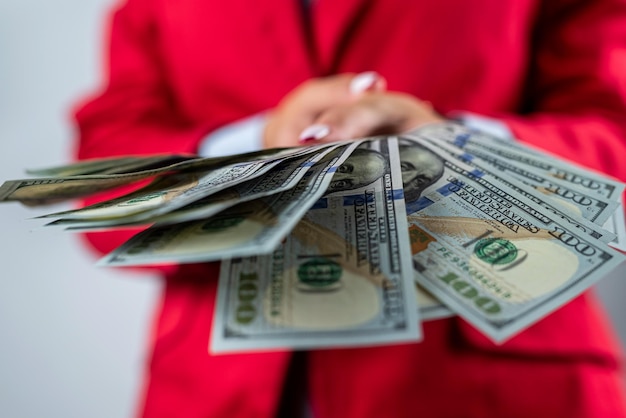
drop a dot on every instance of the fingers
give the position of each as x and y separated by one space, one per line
288 123
318 94
373 113
314 132
367 81
354 120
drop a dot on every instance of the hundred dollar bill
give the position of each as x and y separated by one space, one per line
543 200
158 193
155 203
489 253
50 190
249 228
429 306
133 164
552 166
343 277
571 199
47 190
152 163
109 165
91 166
451 129
617 225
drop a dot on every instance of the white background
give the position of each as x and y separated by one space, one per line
72 336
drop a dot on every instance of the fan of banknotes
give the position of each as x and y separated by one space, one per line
356 243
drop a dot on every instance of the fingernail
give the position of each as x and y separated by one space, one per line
314 133
363 81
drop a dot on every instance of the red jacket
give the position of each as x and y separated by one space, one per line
554 71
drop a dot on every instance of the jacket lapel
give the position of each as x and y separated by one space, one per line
333 22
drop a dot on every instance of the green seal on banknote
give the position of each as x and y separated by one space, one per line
495 251
319 274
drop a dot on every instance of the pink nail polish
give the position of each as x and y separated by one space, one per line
363 82
314 133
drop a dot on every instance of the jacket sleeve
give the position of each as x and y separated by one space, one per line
576 91
136 112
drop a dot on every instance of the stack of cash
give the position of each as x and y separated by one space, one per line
356 243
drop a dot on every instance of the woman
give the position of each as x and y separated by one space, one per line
552 73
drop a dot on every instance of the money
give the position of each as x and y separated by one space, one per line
355 243
48 190
343 277
157 203
110 165
617 225
569 198
429 306
489 253
157 194
250 228
552 166
554 206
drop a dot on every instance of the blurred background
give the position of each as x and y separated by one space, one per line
73 336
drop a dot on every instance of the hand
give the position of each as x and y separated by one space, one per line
341 107
303 105
373 113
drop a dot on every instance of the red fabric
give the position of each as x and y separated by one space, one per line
554 71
